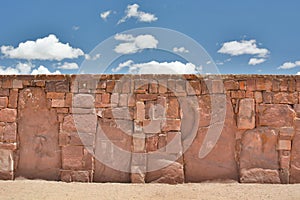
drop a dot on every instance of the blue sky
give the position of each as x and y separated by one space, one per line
253 37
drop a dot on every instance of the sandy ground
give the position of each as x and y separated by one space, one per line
26 189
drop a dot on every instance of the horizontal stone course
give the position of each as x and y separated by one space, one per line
249 124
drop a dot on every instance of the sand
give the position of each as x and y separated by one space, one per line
25 189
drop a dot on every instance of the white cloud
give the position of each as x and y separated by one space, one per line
48 48
25 68
155 67
76 28
43 70
88 57
180 50
134 44
289 65
68 66
256 61
298 73
105 14
244 47
8 70
133 12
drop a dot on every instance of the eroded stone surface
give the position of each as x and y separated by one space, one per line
258 175
220 162
259 149
246 115
39 153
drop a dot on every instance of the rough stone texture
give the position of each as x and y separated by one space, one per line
111 143
39 153
295 160
257 175
246 115
259 149
276 115
105 128
213 166
172 174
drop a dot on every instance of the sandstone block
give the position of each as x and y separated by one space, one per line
8 115
258 175
246 115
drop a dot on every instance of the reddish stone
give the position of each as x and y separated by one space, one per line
246 115
39 152
58 103
123 100
13 98
172 125
3 102
231 85
193 87
284 145
153 87
55 95
162 87
268 97
263 84
10 133
286 98
276 115
8 115
215 166
258 97
173 108
259 149
295 160
172 174
140 111
258 175
57 86
17 84
146 97
83 101
174 144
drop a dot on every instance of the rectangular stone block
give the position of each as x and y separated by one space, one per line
284 145
174 144
8 115
17 84
13 98
3 102
55 95
58 103
246 115
140 111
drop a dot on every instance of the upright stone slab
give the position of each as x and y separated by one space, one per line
39 153
220 162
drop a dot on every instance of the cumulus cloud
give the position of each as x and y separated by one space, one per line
256 61
180 50
244 47
155 67
105 15
43 70
289 65
47 48
88 57
132 11
25 68
133 44
67 66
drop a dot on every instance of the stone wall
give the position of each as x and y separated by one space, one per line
150 128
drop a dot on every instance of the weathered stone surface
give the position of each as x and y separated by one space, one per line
258 175
57 86
82 123
246 115
295 160
276 115
3 102
76 176
39 153
259 149
10 133
220 162
112 163
83 101
6 161
285 98
8 115
172 174
13 98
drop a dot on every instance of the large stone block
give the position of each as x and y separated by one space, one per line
246 115
259 149
258 175
276 115
220 162
39 152
295 160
